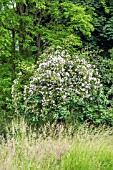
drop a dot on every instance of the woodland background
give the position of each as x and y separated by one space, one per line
83 28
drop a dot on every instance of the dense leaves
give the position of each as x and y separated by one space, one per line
63 87
29 27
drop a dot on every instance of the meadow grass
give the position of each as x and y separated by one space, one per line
57 148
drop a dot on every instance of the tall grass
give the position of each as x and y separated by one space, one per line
57 148
91 150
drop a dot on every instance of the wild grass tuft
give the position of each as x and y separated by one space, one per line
55 148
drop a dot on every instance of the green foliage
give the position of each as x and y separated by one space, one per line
105 68
29 27
62 88
5 96
108 30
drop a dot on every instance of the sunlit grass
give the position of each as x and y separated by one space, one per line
90 151
54 147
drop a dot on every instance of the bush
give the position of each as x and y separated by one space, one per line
6 112
61 88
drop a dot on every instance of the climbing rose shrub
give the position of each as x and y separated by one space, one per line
57 79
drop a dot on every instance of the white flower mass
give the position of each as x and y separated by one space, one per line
57 78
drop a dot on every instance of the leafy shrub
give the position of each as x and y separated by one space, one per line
6 112
104 63
61 88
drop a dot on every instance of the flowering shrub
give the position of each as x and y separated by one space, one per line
58 81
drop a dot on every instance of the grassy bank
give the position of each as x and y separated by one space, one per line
86 149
